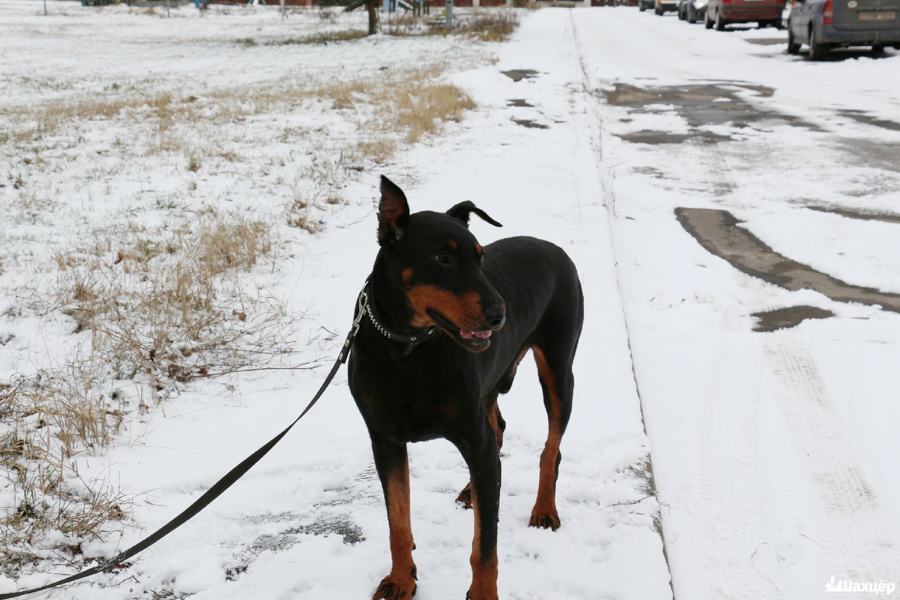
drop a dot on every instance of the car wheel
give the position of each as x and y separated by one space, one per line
720 22
641 7
778 24
658 10
817 50
793 46
706 21
691 16
878 49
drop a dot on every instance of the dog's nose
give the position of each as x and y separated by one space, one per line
496 316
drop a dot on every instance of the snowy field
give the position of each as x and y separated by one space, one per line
129 139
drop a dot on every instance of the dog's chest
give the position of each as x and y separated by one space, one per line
415 403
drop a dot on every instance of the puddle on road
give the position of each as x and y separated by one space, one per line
857 214
520 74
785 318
719 233
530 124
706 104
519 103
863 117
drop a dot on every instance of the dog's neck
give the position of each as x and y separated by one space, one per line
388 314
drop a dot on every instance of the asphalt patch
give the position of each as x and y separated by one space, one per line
857 214
863 117
518 75
648 136
706 104
719 232
874 154
519 102
530 124
785 318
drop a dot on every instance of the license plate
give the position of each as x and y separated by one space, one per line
877 15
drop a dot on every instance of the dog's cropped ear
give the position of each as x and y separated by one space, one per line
393 213
462 211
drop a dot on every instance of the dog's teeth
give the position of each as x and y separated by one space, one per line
475 335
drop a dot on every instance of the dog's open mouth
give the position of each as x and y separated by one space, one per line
474 340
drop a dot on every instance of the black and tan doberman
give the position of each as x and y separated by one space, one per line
447 323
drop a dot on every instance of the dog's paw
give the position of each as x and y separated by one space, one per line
396 587
470 595
465 497
545 519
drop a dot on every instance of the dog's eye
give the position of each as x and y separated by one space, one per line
442 258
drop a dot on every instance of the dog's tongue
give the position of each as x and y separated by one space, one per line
476 335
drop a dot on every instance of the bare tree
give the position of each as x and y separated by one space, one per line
372 9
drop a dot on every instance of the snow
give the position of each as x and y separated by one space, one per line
773 453
769 449
309 520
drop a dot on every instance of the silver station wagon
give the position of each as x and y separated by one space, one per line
828 24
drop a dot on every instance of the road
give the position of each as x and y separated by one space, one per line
770 449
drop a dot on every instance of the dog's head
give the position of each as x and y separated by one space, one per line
438 263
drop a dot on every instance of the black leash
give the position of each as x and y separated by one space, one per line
224 483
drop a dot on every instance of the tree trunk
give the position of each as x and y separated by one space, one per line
372 9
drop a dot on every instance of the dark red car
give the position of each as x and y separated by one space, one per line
725 12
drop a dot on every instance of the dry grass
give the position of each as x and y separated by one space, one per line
390 109
327 37
49 418
491 25
408 107
159 309
167 308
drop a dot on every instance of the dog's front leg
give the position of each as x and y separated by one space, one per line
483 459
393 469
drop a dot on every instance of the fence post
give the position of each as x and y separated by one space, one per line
449 13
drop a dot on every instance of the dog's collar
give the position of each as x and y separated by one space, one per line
411 340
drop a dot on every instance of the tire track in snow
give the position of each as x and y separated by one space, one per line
733 494
855 529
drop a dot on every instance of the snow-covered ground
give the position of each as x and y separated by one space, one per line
772 452
309 521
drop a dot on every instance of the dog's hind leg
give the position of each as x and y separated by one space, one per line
557 384
392 464
498 425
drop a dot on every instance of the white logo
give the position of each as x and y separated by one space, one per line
858 587
852 4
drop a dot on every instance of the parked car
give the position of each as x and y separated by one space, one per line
827 24
645 4
720 13
663 6
691 10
